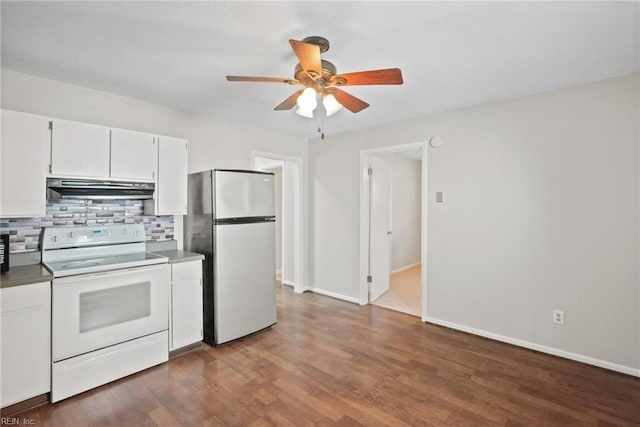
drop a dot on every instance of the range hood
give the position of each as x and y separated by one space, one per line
97 189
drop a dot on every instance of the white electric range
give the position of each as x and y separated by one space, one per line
110 305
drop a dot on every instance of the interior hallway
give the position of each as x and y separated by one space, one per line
404 292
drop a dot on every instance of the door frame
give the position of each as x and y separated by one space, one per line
299 247
269 168
364 218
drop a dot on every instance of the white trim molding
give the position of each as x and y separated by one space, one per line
406 267
334 295
538 347
363 286
297 167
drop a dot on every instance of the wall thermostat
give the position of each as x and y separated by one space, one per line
436 141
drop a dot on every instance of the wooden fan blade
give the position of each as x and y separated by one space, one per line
388 76
309 56
290 102
348 101
261 79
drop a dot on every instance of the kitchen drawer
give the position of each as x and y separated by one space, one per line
186 270
25 296
87 371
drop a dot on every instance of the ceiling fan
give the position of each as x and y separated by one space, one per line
319 77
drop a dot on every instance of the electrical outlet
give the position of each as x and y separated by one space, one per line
558 317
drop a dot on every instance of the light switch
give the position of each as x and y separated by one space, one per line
439 197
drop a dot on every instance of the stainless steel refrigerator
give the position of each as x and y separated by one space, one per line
231 220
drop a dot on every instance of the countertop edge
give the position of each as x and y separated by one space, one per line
25 275
178 256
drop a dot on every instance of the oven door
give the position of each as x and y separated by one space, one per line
98 310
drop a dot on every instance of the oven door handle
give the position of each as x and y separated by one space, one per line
83 278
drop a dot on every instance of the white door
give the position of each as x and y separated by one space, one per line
25 331
98 310
380 227
133 155
186 304
79 149
171 186
25 156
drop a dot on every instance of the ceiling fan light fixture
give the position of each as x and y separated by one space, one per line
331 105
315 77
307 101
305 113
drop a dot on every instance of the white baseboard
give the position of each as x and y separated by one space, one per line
334 295
538 347
288 283
406 267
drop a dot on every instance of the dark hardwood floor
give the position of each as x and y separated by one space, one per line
329 362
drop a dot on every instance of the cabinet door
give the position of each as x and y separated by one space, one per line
186 311
24 154
25 360
133 155
79 149
171 186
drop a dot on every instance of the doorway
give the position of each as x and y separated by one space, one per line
275 167
393 228
288 179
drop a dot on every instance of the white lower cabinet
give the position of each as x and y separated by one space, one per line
186 304
25 359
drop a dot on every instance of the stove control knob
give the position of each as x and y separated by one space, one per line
135 233
123 231
70 234
54 238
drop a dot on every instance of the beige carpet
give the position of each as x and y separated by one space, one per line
404 292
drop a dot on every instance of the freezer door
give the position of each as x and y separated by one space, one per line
240 194
244 284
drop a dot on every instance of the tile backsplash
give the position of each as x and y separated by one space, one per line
24 233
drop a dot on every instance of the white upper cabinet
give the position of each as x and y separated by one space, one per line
89 151
79 149
24 154
133 155
171 185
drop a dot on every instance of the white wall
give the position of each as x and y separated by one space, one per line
213 143
540 212
406 187
291 248
286 225
275 166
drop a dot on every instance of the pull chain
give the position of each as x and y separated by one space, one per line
321 128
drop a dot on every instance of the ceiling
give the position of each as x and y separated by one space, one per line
452 55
